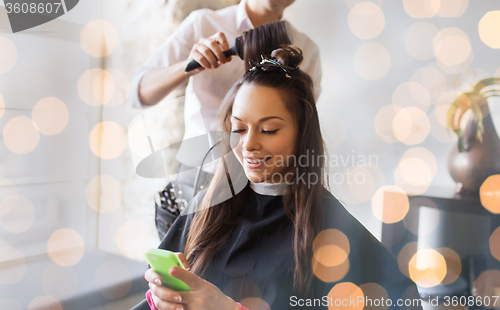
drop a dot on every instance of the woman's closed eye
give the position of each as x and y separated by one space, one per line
269 132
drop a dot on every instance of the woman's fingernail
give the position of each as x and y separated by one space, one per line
177 298
157 282
178 308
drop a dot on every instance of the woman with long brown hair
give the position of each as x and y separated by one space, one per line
256 232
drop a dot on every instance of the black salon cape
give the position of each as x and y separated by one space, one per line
258 261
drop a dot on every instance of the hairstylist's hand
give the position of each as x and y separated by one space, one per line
203 294
208 52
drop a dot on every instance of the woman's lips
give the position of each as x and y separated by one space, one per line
255 162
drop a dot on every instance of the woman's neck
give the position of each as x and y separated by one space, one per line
269 189
260 15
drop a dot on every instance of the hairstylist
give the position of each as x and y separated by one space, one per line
202 36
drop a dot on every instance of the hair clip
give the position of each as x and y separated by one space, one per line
273 63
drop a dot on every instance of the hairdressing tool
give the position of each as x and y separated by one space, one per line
255 42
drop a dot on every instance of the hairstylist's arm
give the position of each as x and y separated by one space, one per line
158 83
203 294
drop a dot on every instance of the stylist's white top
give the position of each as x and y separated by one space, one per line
206 90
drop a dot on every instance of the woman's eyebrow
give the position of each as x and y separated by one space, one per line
261 120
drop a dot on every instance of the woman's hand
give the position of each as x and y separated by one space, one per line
203 294
208 52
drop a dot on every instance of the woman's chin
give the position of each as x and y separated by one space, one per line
255 177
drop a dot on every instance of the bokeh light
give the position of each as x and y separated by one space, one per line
433 81
438 120
451 46
411 125
453 265
411 221
457 69
8 54
331 247
411 94
242 287
8 190
383 124
345 291
366 20
104 193
446 99
376 293
489 29
255 303
2 106
15 272
109 273
103 87
108 140
452 8
116 89
411 189
351 3
405 255
96 87
51 116
427 268
413 300
488 285
421 8
330 274
358 184
65 247
439 117
99 38
21 135
495 244
489 193
59 282
131 236
390 204
44 302
418 166
466 80
419 40
372 61
20 215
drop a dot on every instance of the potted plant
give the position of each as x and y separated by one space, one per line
477 152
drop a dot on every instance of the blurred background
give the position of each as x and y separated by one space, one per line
75 218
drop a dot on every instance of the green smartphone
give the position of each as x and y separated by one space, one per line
161 261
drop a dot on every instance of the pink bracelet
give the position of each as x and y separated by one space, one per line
149 298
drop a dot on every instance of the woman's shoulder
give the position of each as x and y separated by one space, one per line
337 216
369 259
175 238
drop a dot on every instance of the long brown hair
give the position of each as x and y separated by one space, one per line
212 226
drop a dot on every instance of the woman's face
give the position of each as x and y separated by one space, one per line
267 134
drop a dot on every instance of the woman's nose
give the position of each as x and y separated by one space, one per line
251 141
